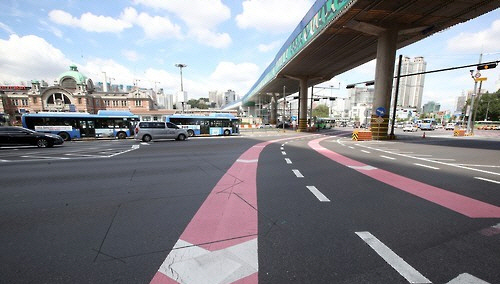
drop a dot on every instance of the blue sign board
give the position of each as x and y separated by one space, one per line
380 111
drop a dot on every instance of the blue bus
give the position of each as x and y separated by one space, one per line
212 124
75 125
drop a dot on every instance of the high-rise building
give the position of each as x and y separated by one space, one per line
431 107
229 97
461 100
411 88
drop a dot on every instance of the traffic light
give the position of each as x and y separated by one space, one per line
486 66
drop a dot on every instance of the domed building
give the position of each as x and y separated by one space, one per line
71 92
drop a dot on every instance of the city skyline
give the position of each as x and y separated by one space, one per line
225 45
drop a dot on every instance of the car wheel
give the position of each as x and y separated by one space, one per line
146 138
121 135
65 136
190 133
227 132
43 143
181 137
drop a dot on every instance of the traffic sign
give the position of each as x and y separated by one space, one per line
481 79
380 111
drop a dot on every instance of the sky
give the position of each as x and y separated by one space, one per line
226 44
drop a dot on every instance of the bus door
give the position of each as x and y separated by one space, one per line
87 128
204 126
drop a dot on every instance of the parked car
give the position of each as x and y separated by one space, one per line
149 130
410 127
450 126
13 135
280 125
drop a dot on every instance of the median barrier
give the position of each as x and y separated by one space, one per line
361 135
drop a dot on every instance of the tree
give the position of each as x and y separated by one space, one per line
488 107
321 111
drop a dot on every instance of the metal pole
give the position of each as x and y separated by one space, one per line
311 109
396 94
472 98
475 112
284 108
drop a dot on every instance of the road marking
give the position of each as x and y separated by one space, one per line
401 266
188 263
490 180
288 161
483 166
50 158
387 157
351 147
466 278
247 161
461 204
297 173
321 197
425 166
282 148
442 159
414 156
364 151
283 153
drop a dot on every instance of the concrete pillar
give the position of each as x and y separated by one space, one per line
274 110
303 105
384 73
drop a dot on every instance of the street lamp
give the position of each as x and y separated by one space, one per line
180 68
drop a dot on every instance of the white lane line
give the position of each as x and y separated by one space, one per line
320 196
426 166
483 166
282 148
394 260
442 159
283 153
297 173
387 157
351 147
420 155
364 151
247 161
50 158
490 180
288 161
466 278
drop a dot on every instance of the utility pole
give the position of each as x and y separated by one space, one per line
469 120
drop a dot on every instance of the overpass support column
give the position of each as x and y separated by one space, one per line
303 105
384 73
274 110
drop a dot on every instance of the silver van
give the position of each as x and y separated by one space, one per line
149 130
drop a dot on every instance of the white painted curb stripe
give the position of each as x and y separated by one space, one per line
401 266
318 193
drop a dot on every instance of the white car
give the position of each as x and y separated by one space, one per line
410 127
450 126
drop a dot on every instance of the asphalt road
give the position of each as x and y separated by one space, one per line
111 211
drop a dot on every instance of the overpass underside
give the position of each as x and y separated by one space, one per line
336 36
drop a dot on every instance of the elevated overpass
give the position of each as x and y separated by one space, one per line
338 35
